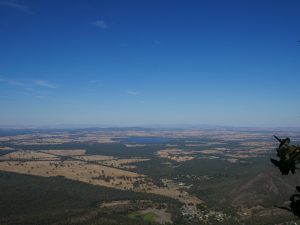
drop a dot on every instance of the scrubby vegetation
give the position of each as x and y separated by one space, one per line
33 200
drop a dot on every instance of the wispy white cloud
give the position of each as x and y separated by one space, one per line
45 83
17 6
16 83
29 89
101 24
130 92
36 89
96 82
32 93
12 82
40 96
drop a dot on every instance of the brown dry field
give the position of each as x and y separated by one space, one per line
234 156
6 148
95 157
46 165
212 151
28 155
114 203
75 170
73 152
175 155
123 163
232 160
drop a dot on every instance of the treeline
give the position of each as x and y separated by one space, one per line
110 149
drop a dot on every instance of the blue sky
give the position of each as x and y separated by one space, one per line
150 62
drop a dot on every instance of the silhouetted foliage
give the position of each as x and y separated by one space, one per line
289 157
295 202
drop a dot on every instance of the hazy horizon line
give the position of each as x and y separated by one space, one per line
90 126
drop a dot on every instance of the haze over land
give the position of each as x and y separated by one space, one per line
180 176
